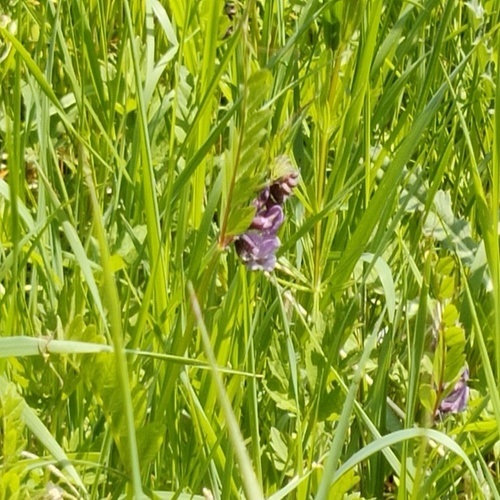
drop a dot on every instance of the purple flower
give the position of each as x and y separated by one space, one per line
261 200
283 187
268 219
257 249
457 399
257 246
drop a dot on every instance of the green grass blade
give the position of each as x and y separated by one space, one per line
249 479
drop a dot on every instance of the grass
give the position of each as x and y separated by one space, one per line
140 358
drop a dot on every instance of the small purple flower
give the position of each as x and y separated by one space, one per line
257 250
283 187
257 246
268 219
457 399
261 200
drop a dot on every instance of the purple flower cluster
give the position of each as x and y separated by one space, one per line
258 244
457 399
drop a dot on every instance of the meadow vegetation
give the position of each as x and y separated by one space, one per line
140 357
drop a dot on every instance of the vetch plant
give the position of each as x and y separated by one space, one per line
257 246
457 399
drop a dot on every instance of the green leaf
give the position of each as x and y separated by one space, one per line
239 221
280 449
450 315
11 409
428 397
150 438
345 484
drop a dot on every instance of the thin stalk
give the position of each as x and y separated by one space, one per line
114 309
250 484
